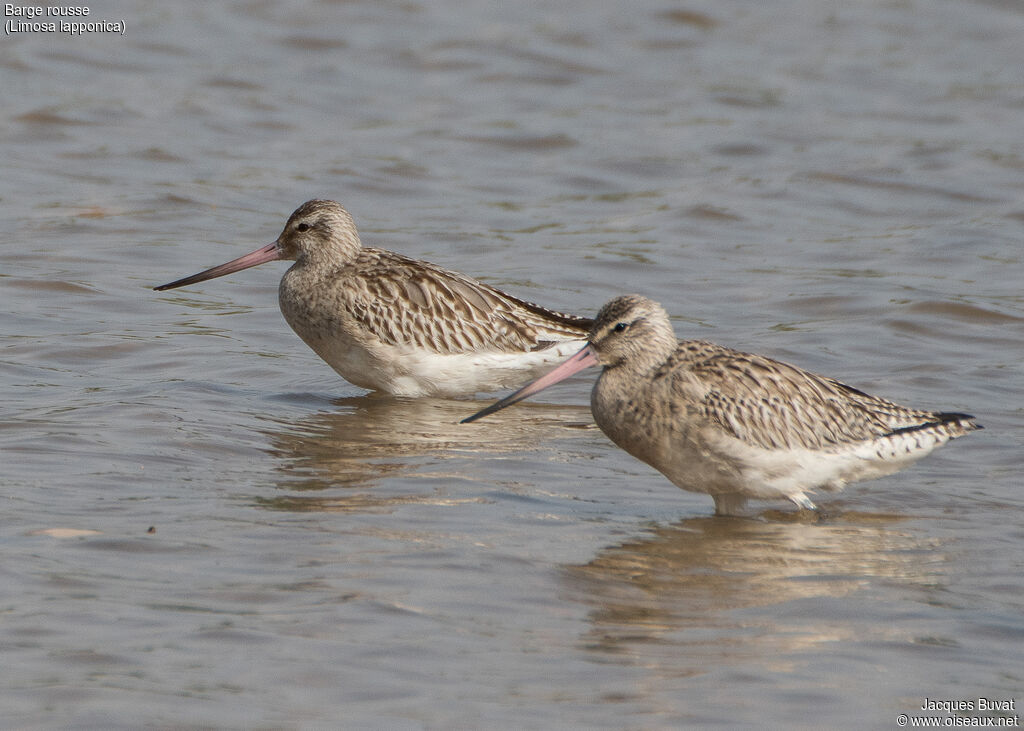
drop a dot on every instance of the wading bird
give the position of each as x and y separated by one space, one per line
386 322
734 425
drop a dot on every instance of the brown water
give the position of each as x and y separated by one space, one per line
205 527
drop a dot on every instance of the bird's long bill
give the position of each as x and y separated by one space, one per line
583 359
253 258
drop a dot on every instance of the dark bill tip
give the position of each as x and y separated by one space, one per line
253 258
583 359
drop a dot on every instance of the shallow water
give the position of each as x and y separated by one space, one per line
206 527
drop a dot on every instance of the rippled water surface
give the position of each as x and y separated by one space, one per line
205 527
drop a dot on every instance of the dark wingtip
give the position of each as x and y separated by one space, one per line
964 421
954 417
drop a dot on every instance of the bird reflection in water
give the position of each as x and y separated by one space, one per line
743 590
363 441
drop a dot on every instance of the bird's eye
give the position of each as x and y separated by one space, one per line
302 227
619 327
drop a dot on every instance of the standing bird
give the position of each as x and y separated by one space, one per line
387 322
734 425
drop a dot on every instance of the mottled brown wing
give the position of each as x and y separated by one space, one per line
407 302
775 405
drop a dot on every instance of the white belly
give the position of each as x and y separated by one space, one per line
701 457
411 371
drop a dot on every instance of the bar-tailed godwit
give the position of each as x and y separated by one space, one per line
734 425
387 322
